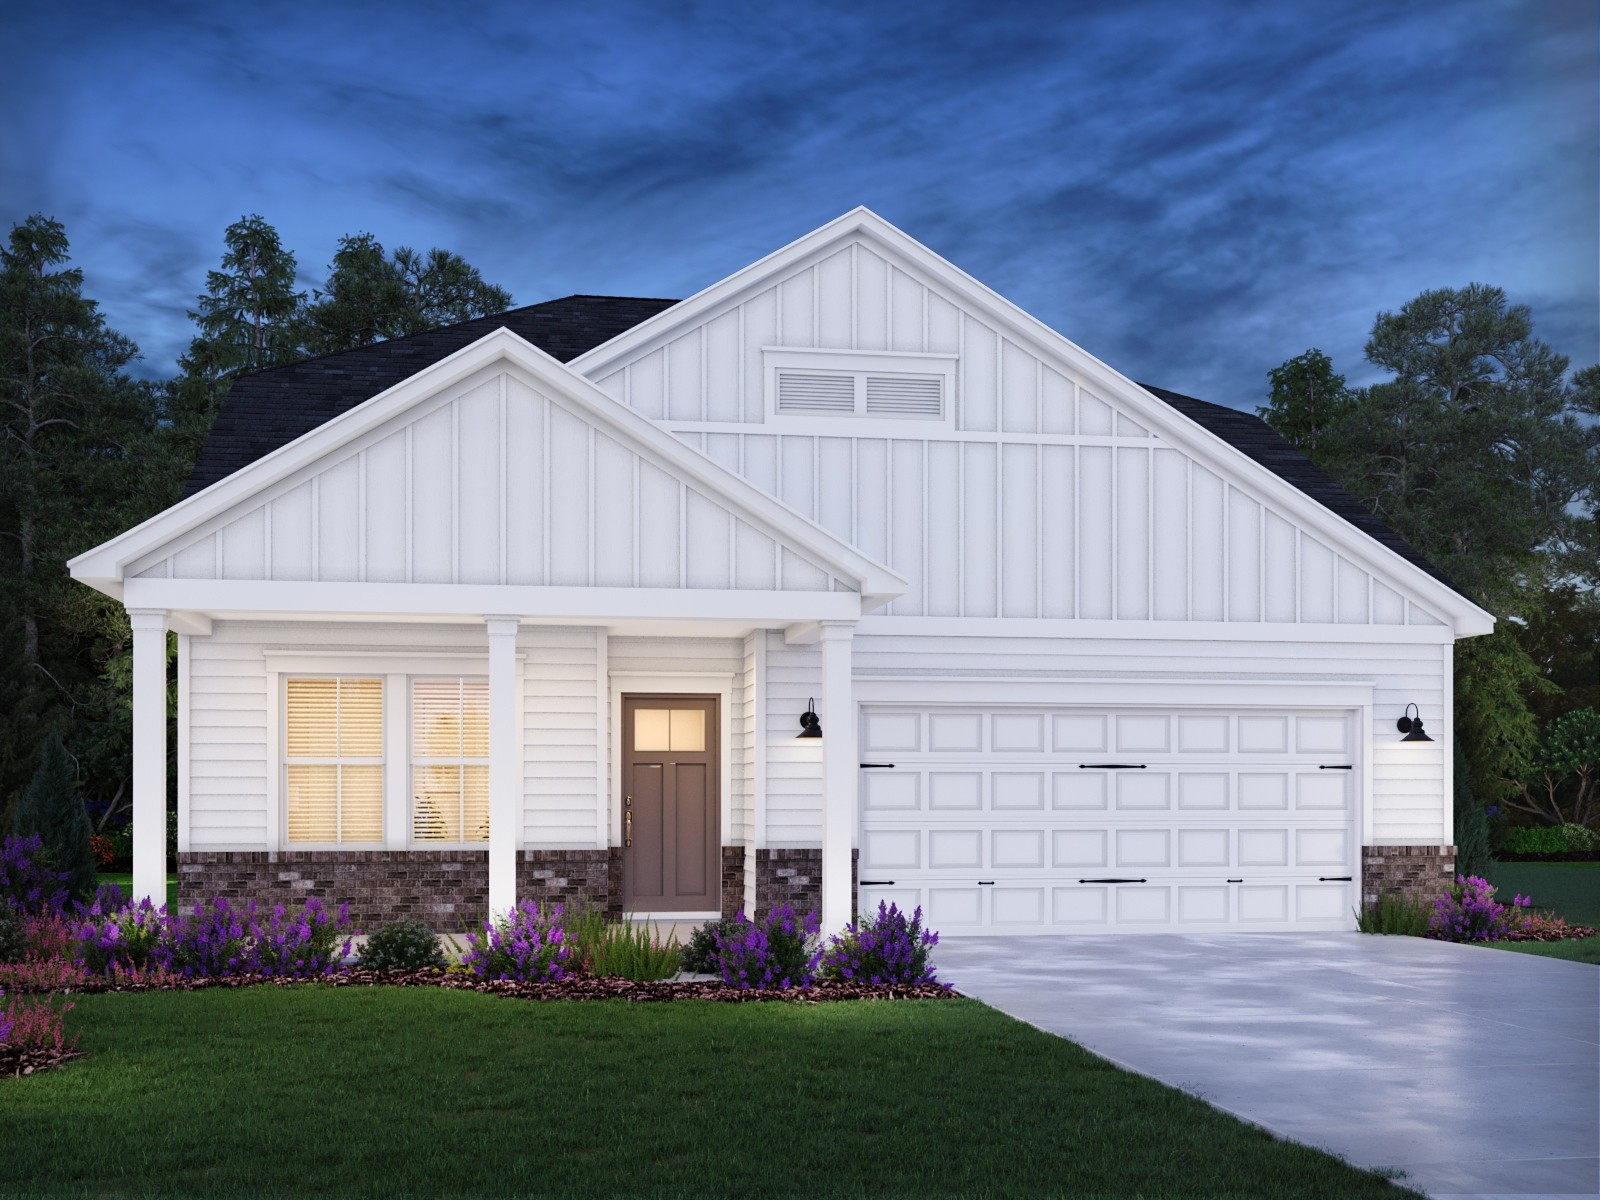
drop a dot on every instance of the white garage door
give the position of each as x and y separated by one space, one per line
1048 820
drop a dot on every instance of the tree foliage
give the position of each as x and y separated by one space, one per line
1307 396
52 808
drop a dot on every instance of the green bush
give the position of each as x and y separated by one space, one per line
1550 839
700 955
13 934
1395 913
628 951
52 808
402 946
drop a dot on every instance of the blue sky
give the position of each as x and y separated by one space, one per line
1192 190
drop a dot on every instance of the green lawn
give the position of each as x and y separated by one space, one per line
124 880
390 1091
1570 890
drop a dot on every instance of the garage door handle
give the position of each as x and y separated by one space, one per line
875 882
1340 767
1333 879
1112 881
877 766
1112 767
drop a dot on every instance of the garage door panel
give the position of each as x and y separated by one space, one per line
1079 848
1211 820
955 791
955 849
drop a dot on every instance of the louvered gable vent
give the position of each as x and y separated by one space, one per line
904 395
816 391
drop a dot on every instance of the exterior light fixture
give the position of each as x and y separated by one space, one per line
810 723
1412 726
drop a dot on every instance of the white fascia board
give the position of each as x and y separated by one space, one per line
219 598
1164 631
1466 619
104 565
1184 693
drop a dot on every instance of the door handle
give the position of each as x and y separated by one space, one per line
627 836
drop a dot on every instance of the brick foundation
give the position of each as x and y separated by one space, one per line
795 876
1419 873
448 890
732 881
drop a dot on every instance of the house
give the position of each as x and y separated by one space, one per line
553 604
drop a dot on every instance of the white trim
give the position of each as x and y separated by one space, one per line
671 683
1032 335
104 566
1173 693
858 364
379 662
1065 627
602 739
397 760
184 652
1447 742
758 798
668 918
268 599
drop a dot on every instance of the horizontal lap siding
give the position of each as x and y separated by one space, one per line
794 767
228 760
560 740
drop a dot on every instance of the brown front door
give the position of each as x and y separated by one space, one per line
671 858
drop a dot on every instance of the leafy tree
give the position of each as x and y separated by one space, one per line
371 296
1561 634
1479 453
1307 396
1559 781
82 456
52 808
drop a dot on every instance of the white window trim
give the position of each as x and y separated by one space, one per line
671 683
396 670
858 362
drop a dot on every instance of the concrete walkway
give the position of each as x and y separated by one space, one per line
1474 1071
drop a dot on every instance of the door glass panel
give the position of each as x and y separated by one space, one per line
688 729
651 729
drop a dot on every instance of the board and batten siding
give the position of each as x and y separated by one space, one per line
232 751
1038 499
490 482
1409 803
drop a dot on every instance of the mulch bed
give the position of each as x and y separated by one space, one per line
14 1060
578 987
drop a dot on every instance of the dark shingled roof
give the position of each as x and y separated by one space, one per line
269 409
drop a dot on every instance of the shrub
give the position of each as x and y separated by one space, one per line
774 953
36 1023
105 853
120 937
50 936
1547 927
887 948
1551 839
700 954
1470 913
526 944
1395 913
402 946
41 975
13 934
300 945
26 877
52 808
627 951
212 939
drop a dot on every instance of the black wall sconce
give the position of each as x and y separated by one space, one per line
810 723
1412 726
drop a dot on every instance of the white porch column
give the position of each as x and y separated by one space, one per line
505 764
149 754
840 770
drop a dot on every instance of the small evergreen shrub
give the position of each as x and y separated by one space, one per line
13 934
886 948
1470 913
700 952
52 808
26 878
774 953
402 946
526 945
1551 839
1395 914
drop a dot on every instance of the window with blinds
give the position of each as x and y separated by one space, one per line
333 760
450 760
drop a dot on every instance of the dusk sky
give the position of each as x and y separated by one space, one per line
1192 190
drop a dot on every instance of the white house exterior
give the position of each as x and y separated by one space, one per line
513 626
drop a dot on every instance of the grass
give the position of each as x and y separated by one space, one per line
1570 889
318 1091
124 880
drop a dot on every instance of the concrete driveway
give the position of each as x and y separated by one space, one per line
1474 1071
